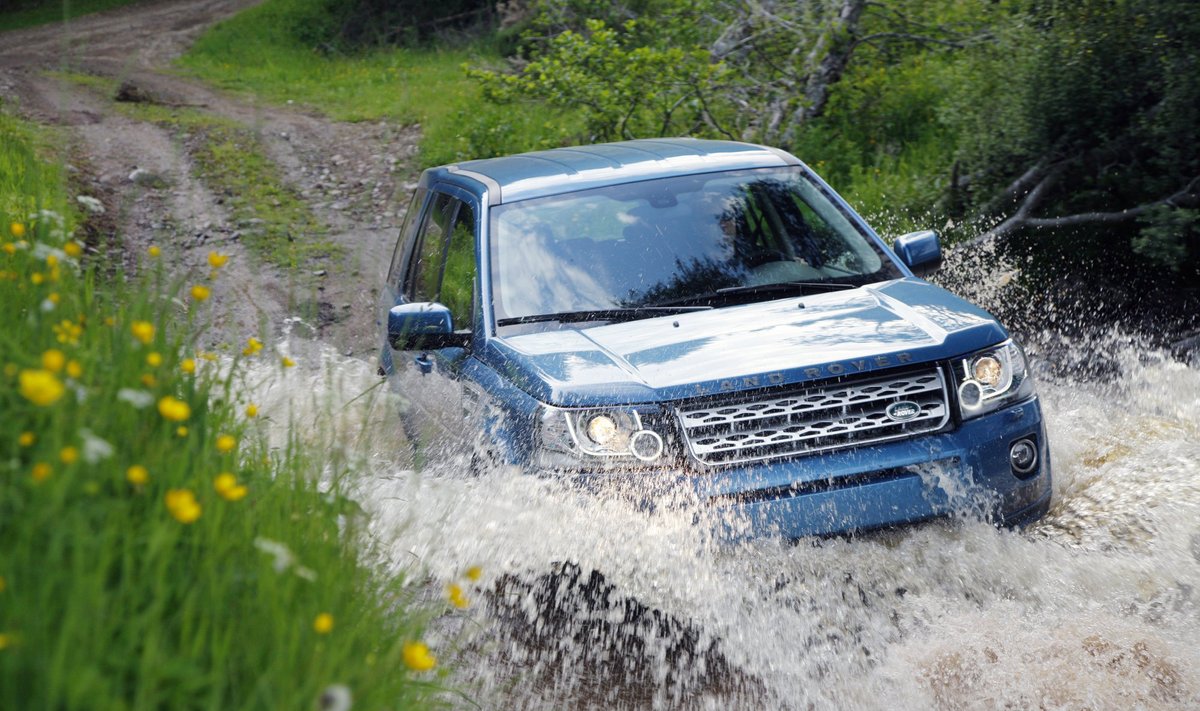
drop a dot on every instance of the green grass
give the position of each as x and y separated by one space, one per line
257 52
121 592
41 12
27 178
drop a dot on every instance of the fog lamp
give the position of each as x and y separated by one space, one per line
988 371
1022 456
602 430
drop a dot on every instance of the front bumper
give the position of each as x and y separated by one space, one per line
963 471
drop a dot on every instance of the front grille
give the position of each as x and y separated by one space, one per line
847 413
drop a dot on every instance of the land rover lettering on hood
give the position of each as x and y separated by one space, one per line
714 312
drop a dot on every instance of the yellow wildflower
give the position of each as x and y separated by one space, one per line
216 260
181 431
154 251
68 332
37 278
188 365
73 249
17 230
154 359
228 487
183 505
201 292
69 455
287 362
174 409
51 260
74 369
53 360
10 248
454 591
253 345
6 640
137 475
143 331
226 443
210 357
474 573
149 380
418 657
40 471
252 410
26 439
40 387
323 624
54 298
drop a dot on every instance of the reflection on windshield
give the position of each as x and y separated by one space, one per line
662 241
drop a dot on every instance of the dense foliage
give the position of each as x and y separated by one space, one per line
354 24
1063 132
1065 117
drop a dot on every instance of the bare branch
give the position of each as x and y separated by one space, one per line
1018 187
1184 197
909 37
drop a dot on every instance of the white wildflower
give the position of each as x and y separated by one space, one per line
94 448
138 398
283 555
90 204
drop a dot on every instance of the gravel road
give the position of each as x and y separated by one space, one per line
349 174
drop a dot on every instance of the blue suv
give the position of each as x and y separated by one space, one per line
713 313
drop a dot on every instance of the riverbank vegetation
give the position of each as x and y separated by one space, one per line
28 13
1065 133
155 550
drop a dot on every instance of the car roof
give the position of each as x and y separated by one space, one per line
560 170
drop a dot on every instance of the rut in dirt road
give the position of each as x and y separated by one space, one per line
146 176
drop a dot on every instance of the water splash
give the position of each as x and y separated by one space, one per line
587 601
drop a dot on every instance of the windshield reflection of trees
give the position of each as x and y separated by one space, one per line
698 276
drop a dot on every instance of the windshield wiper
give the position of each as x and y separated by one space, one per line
790 287
632 313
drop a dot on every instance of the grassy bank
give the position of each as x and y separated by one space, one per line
40 12
154 552
262 52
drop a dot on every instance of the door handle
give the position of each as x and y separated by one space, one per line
425 363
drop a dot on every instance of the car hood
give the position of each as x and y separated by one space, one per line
778 342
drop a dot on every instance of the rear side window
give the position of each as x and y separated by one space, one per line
443 262
426 272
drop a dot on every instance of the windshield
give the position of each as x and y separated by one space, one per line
674 241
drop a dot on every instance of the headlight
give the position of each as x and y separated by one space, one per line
991 379
574 439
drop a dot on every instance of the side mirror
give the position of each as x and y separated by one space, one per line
920 252
422 326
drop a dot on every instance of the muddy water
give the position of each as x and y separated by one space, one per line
587 601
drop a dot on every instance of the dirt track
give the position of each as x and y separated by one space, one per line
347 173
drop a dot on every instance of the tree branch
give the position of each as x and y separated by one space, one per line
906 36
1184 197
